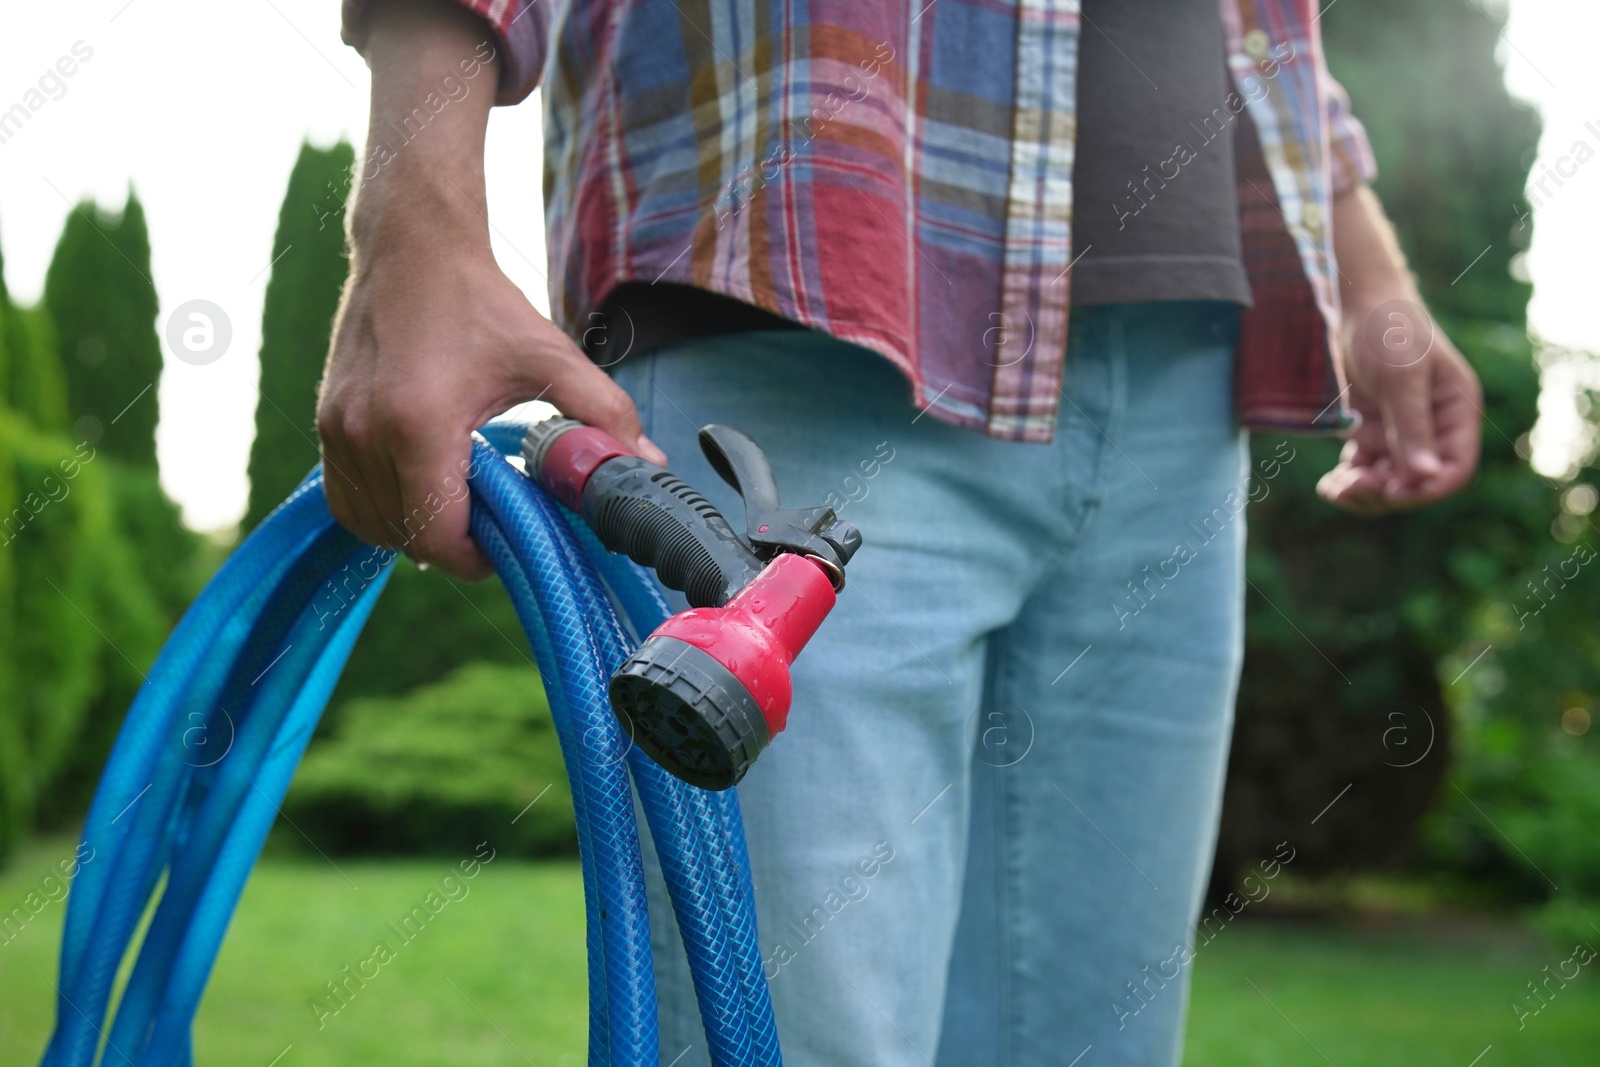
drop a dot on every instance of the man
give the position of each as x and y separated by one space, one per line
1098 247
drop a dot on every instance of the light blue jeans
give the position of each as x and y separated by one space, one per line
985 834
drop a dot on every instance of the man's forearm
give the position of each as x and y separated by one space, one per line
434 71
1371 265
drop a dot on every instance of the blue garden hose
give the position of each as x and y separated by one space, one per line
249 669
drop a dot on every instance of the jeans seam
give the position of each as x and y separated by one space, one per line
1008 915
1116 347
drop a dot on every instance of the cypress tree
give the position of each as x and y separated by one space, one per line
102 300
31 379
302 296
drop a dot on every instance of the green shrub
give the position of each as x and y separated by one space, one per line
1553 822
1571 921
1522 817
85 622
438 770
151 570
426 625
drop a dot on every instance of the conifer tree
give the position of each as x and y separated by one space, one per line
102 299
302 296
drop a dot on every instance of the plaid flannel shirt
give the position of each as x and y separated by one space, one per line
899 174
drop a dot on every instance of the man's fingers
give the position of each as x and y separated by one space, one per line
1458 430
1406 405
1357 483
359 480
407 492
350 504
1455 421
1354 489
428 454
437 509
586 393
381 492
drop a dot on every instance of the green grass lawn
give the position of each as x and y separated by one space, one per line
497 977
1416 995
499 970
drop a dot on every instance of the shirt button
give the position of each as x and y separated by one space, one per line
1311 216
1256 43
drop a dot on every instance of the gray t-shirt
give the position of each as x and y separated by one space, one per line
1155 209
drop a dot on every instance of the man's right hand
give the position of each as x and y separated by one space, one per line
432 339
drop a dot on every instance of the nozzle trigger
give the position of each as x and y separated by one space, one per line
771 529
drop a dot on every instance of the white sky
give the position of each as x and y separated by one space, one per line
203 105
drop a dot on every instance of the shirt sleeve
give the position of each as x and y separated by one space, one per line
521 29
1350 152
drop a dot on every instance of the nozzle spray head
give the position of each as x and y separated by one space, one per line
710 688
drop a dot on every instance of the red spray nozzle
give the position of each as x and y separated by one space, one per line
710 688
706 692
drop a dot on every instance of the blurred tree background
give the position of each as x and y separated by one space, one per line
1418 688
85 531
96 566
1417 693
429 625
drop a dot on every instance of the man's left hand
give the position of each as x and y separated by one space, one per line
1419 400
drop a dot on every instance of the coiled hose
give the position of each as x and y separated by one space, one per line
253 662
